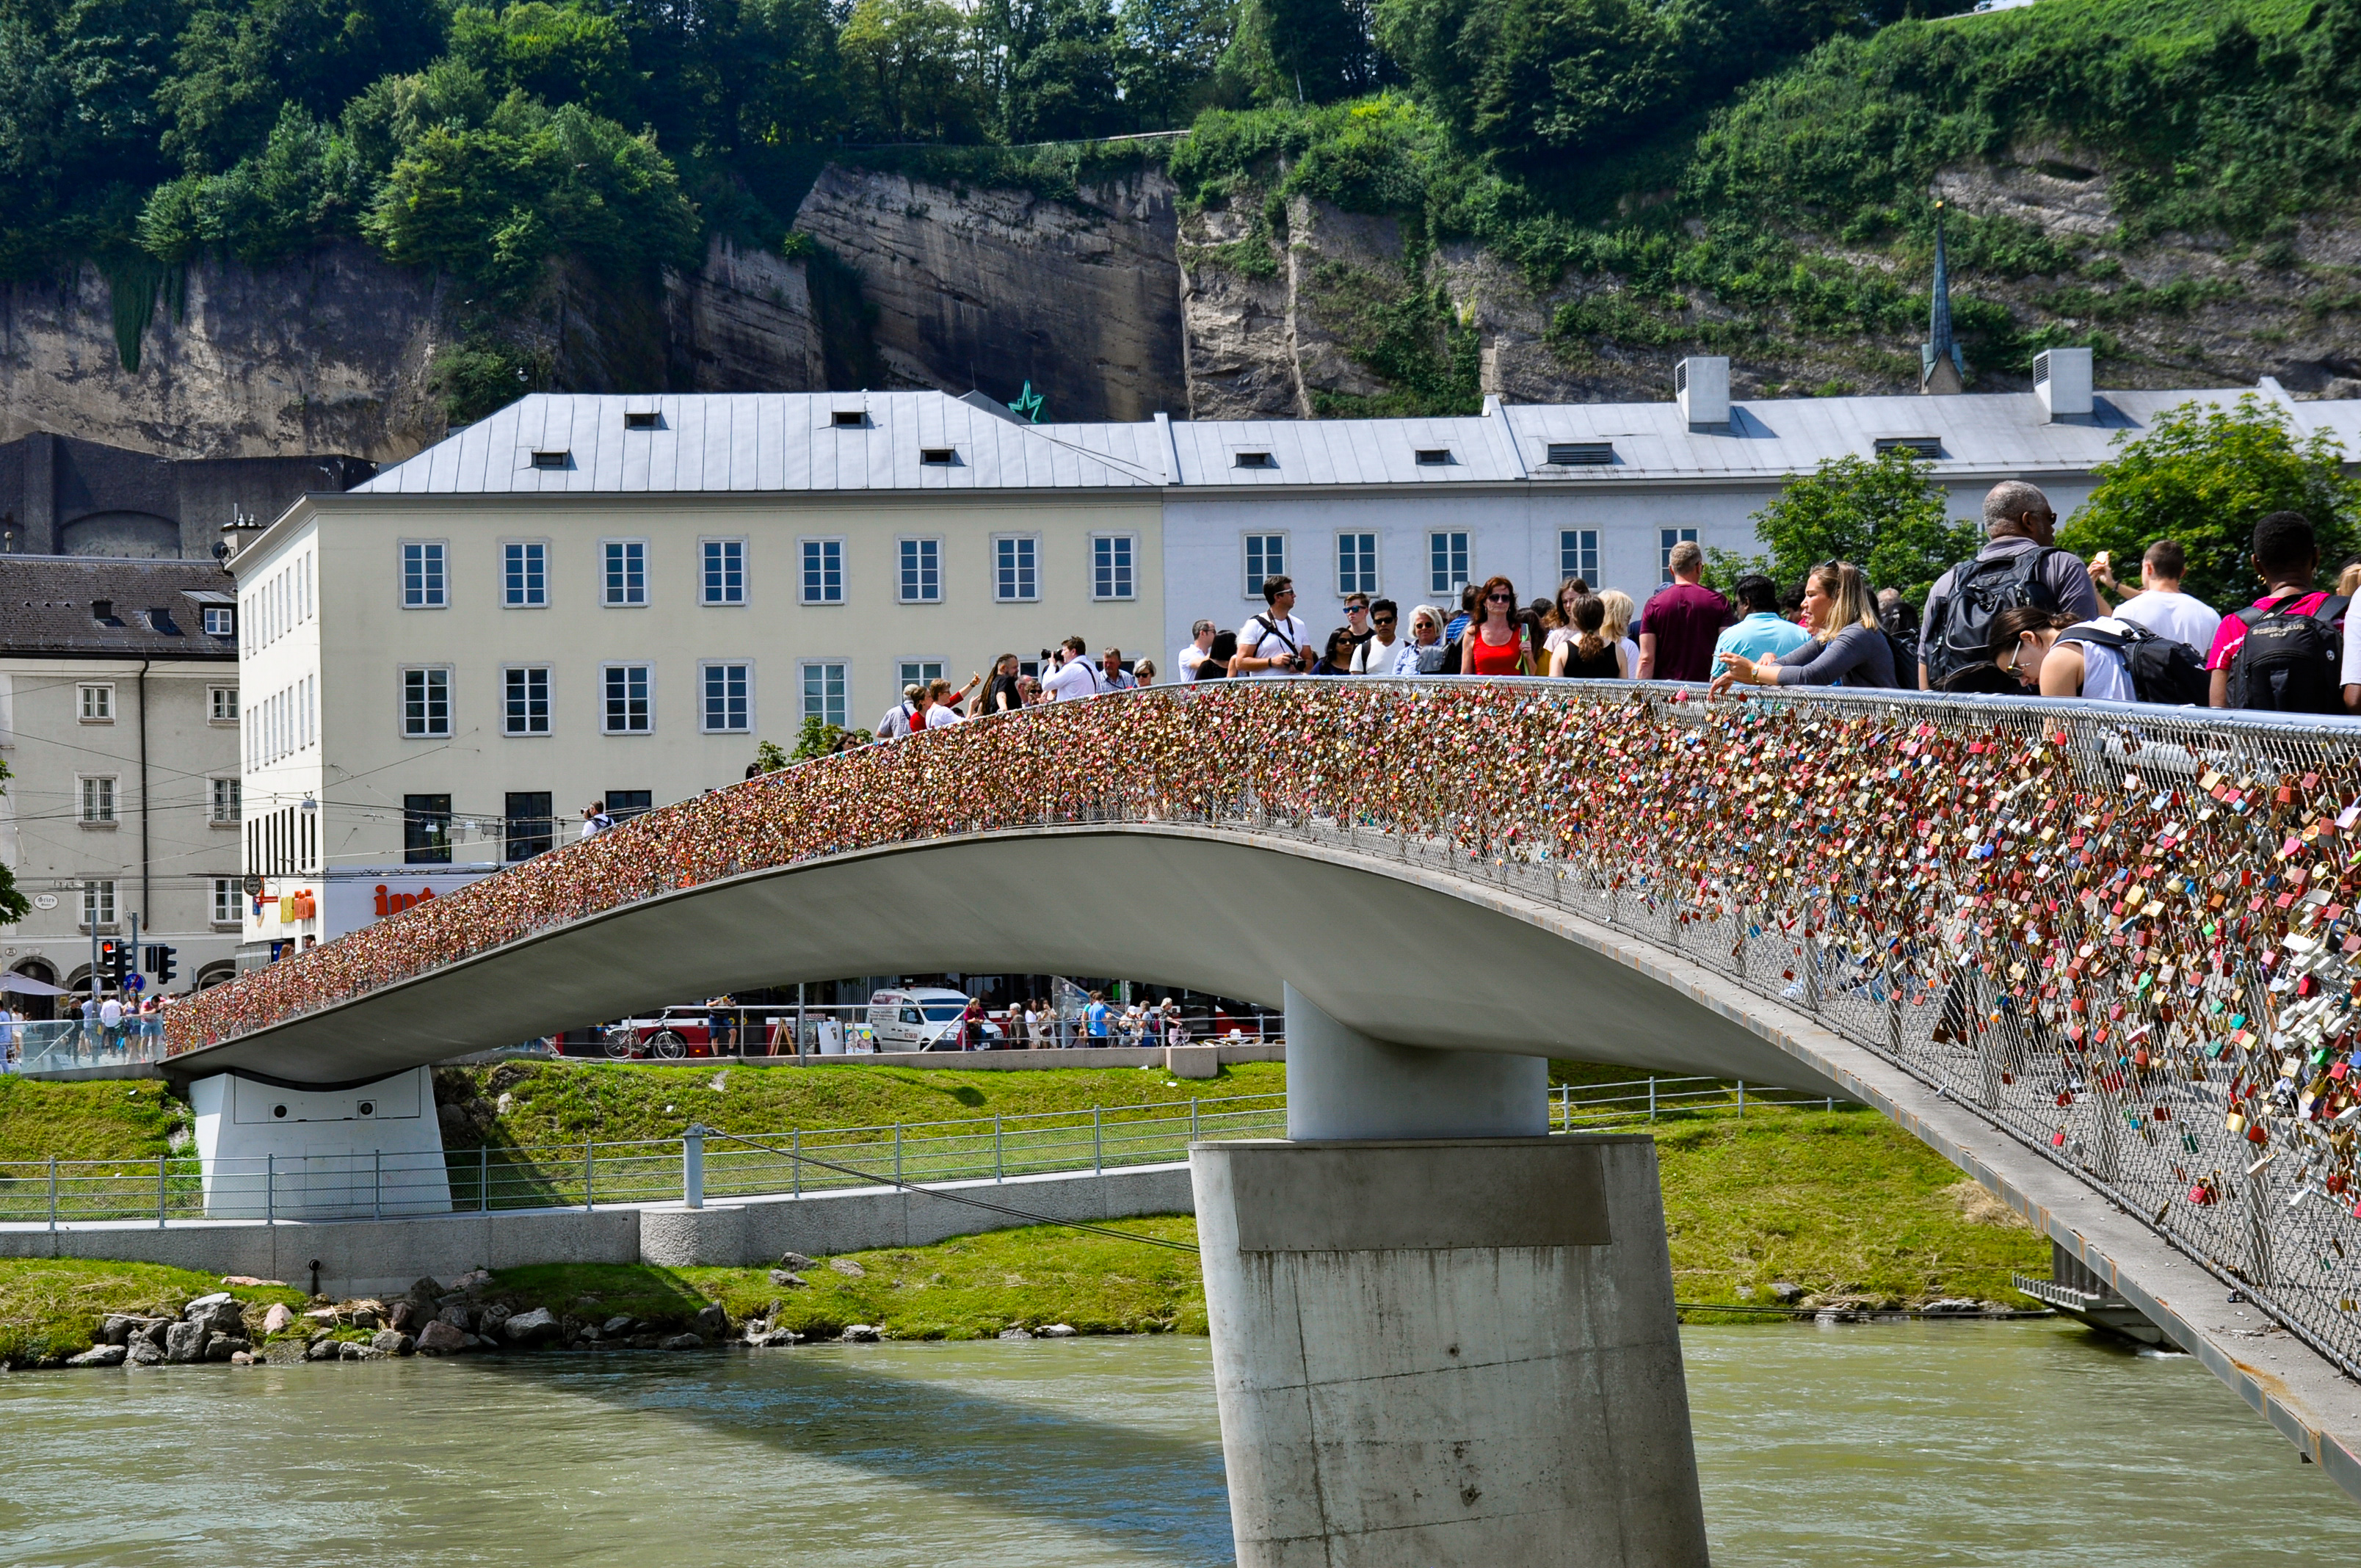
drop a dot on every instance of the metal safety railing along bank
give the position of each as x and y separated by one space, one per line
2124 935
594 1172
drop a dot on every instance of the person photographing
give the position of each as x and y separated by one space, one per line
1272 643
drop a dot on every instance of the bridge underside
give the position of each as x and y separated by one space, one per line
1396 951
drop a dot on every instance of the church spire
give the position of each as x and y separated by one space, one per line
1941 366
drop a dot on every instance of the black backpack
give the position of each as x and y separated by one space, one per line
2289 663
1959 631
2163 669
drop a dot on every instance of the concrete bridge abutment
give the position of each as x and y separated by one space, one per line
1440 1336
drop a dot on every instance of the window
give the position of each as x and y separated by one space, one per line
1581 453
728 699
1356 563
922 571
1930 447
530 829
624 803
553 459
221 620
226 901
724 580
1255 460
525 575
1434 457
938 456
97 800
221 703
918 672
1015 574
1266 557
627 571
849 419
824 694
224 800
98 705
1111 563
98 905
823 571
423 583
426 829
639 419
425 703
630 706
525 699
1446 563
1577 555
1666 539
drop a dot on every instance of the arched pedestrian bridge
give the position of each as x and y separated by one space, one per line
2098 955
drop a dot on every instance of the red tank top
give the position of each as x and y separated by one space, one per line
1482 659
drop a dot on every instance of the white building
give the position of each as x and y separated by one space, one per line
613 597
119 726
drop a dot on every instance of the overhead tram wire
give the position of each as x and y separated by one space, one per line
953 1197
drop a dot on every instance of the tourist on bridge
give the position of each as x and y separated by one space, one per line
2269 655
110 1024
1075 677
1421 653
2021 566
1003 693
1272 643
943 704
595 819
1499 643
1763 632
1144 674
1621 613
1590 656
1358 629
1115 676
1376 656
1558 625
1337 657
1195 651
1848 647
1095 1017
902 717
1220 654
1679 628
2160 605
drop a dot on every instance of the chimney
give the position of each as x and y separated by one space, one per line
2062 380
1701 386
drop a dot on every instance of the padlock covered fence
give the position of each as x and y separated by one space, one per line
2123 934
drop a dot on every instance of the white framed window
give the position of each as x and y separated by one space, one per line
1446 561
226 901
525 699
729 697
1356 563
1016 568
1666 538
426 702
97 905
524 574
221 620
922 570
425 583
624 572
1266 555
1577 555
918 672
823 571
96 792
224 799
825 696
96 702
221 705
722 571
629 705
1112 555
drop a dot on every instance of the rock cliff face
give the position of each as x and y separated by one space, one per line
992 289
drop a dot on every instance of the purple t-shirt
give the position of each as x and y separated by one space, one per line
1685 620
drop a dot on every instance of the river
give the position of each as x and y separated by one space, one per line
1911 1445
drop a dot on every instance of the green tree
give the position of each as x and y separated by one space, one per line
303 184
906 71
1169 51
559 54
1056 65
1885 516
1310 51
2204 475
237 67
818 738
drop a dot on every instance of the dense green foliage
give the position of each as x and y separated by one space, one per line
2205 475
1885 515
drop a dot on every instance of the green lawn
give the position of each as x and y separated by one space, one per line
52 1307
85 1120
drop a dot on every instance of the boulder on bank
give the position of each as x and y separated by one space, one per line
393 1341
278 1320
615 1325
441 1337
861 1333
489 1320
185 1343
1059 1330
786 1280
795 1262
536 1327
139 1353
221 1347
99 1355
711 1321
682 1342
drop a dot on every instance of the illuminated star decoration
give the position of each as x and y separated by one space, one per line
1028 404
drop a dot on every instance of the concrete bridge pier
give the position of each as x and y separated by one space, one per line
1442 1337
364 1150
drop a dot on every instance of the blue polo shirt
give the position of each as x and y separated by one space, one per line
1762 635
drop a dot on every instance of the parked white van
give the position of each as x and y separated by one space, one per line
923 1018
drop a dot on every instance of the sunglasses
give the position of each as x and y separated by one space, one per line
1501 598
1385 620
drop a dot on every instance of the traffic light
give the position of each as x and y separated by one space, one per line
112 964
160 963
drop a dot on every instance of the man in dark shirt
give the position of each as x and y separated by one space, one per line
1680 623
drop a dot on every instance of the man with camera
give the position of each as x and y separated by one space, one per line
1273 643
1075 675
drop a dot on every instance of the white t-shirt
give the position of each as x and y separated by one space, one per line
1185 662
2351 674
1075 678
942 717
1376 658
2177 616
1271 635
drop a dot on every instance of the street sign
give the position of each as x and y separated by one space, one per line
253 885
135 981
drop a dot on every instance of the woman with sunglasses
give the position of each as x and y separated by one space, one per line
1495 642
1421 653
1847 646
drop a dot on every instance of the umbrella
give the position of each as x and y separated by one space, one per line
25 985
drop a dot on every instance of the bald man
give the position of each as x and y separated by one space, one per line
2019 518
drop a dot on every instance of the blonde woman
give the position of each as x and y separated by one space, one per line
1421 652
1847 646
1621 613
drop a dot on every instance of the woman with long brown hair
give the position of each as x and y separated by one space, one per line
1495 642
1847 646
1590 656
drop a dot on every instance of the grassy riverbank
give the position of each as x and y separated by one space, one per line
51 1307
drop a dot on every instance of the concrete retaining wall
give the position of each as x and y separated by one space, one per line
368 1256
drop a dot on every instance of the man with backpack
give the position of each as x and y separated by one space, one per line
2021 566
2284 652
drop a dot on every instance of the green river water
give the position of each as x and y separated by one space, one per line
1903 1444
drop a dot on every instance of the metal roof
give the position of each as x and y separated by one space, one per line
789 442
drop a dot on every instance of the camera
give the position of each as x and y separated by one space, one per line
1051 655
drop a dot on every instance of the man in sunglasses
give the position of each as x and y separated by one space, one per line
1376 656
